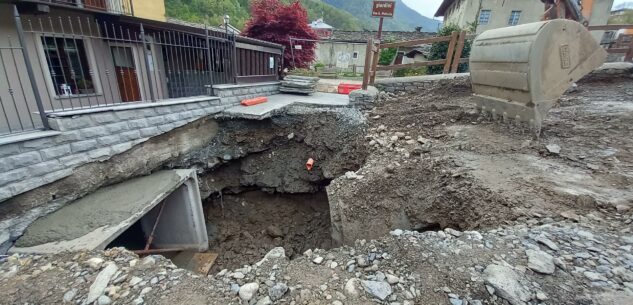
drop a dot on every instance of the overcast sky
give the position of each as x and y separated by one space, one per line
429 7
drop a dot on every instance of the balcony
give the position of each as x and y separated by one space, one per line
119 7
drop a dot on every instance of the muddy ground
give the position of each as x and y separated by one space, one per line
523 223
244 227
436 162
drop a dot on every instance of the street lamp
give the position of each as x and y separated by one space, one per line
227 19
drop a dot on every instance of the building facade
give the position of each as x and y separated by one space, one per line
492 14
80 54
345 50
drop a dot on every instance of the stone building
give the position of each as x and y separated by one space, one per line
345 50
492 14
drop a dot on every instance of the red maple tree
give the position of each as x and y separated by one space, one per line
274 21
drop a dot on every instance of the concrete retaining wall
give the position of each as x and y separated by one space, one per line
91 135
415 84
80 137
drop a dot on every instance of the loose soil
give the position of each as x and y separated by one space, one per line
435 160
447 167
244 227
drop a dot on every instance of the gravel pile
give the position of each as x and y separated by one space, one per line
585 260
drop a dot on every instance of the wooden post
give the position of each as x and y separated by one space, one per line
374 63
368 59
629 55
458 52
449 53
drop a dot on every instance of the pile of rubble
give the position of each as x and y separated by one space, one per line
299 84
541 262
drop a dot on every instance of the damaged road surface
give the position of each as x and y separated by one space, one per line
420 200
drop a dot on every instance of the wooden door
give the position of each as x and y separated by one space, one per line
126 73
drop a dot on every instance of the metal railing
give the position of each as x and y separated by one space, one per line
122 7
85 62
64 63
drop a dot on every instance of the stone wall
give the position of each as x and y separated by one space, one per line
91 135
363 99
415 84
234 94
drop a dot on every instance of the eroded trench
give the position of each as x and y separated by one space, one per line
258 194
257 191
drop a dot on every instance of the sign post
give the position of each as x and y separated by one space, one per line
383 9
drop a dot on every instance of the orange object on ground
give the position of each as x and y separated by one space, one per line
254 101
310 164
344 88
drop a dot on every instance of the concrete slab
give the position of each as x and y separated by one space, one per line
94 221
277 103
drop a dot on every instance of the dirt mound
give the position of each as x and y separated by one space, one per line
436 163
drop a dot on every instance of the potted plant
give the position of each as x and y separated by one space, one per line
85 86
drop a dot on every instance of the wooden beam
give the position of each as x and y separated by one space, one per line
617 50
413 65
415 42
458 52
450 52
610 27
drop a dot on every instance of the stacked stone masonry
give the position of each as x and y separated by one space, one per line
416 84
82 137
234 94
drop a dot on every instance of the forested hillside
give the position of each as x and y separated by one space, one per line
406 18
238 10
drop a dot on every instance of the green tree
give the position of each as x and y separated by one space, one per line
626 18
239 11
387 56
439 49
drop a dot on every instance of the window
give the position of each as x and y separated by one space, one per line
68 66
484 16
514 18
355 55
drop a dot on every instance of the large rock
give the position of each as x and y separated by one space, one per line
377 289
351 288
248 291
540 261
277 291
101 282
506 284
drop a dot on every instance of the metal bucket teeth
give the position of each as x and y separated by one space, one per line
518 73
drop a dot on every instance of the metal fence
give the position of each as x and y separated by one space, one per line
68 63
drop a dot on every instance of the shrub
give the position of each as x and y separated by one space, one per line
439 50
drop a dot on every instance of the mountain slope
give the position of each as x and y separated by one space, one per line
238 10
406 18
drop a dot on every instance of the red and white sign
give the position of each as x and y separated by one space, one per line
383 8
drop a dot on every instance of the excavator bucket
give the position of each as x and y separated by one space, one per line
518 73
